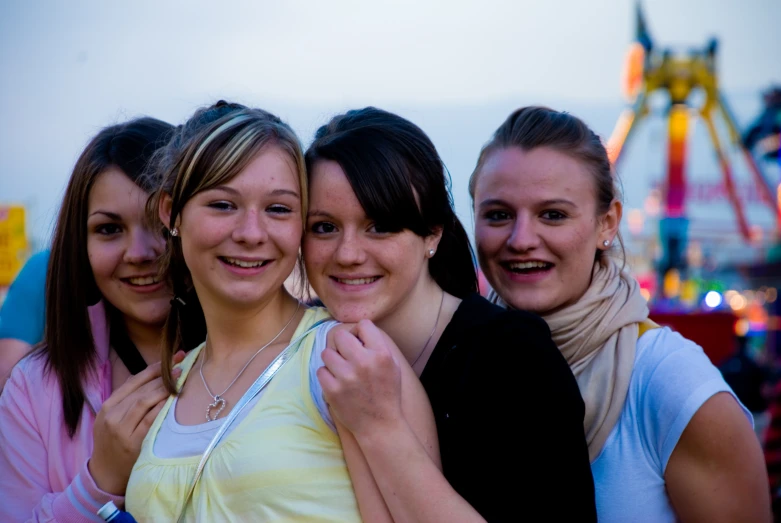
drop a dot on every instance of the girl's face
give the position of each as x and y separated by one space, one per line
358 269
537 228
123 252
240 240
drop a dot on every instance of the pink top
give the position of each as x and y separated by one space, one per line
43 472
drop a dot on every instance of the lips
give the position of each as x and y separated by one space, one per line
529 266
356 281
141 281
244 264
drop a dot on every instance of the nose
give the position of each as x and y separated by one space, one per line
249 229
349 251
524 236
145 246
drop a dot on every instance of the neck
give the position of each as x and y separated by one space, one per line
232 331
146 337
411 325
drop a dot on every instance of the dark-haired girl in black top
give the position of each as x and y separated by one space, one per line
384 249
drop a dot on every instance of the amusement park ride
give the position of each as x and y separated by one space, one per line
690 82
683 77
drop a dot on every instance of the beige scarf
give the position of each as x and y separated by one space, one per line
597 336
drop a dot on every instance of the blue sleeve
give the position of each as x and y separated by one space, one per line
23 313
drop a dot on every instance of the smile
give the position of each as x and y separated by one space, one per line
528 266
355 281
142 281
243 263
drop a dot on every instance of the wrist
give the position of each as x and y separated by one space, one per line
105 480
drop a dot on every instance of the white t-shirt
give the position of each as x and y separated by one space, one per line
671 380
180 441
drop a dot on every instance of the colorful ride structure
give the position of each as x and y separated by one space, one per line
690 81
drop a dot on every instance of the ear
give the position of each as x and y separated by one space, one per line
608 224
164 209
432 241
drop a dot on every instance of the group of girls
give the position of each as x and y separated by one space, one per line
181 377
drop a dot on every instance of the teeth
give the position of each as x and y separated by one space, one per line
357 281
148 280
245 264
528 265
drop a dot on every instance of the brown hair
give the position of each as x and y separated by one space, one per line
210 149
534 126
69 347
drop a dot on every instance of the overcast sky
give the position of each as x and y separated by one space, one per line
456 68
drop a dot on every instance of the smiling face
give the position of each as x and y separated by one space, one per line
240 240
358 269
537 227
123 253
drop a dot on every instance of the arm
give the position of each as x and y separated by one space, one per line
718 479
24 462
11 351
370 386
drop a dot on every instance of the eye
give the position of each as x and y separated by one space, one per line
221 205
322 228
496 216
108 229
279 209
382 228
553 215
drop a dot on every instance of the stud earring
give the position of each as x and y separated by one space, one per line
174 232
431 253
606 243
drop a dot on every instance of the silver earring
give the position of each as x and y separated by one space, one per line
174 232
606 243
431 253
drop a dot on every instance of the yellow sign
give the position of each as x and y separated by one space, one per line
13 242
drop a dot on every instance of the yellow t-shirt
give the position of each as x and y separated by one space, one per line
280 463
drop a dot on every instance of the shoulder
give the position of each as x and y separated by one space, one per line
478 314
672 378
31 382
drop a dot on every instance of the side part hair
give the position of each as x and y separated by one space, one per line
535 126
401 183
209 150
69 347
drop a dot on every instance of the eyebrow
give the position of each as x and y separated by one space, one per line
319 213
554 201
111 215
275 192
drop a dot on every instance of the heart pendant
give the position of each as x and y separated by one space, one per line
219 404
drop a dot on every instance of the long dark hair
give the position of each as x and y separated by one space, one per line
69 347
401 182
210 149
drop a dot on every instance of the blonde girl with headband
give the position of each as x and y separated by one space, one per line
233 198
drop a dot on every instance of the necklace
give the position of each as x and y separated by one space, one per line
219 401
436 322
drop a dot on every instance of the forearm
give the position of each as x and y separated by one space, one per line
413 487
79 502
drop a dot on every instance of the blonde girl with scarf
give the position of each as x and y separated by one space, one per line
668 440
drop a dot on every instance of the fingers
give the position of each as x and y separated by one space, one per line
133 383
328 382
370 335
138 404
348 345
146 422
178 357
335 363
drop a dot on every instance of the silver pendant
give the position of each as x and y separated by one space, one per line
219 404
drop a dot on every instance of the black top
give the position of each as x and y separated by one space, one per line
509 416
